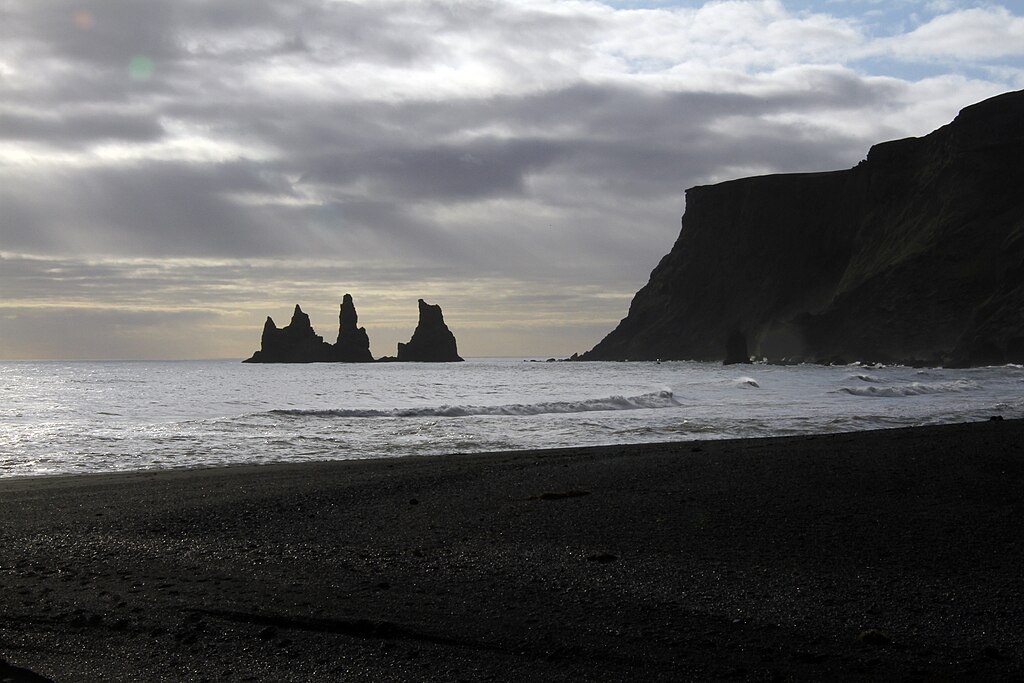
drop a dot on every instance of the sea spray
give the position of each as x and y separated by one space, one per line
656 400
911 389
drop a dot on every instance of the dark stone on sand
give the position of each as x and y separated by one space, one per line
874 638
562 495
914 255
16 674
432 341
602 558
993 652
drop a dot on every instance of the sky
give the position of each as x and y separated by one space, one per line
174 171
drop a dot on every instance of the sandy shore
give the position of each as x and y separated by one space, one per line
893 555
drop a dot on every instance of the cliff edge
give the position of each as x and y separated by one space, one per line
916 255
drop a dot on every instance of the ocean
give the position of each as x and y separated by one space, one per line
86 416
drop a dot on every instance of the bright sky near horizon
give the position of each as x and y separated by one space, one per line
173 171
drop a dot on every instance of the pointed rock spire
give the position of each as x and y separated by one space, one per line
299 343
432 342
353 344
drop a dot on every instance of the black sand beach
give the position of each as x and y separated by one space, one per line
891 555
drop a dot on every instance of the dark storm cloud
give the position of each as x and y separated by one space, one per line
471 170
70 129
97 32
368 166
165 208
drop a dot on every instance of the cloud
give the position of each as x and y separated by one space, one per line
69 129
533 147
439 172
971 34
212 308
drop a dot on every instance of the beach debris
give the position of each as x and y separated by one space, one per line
602 558
874 638
992 652
561 495
9 672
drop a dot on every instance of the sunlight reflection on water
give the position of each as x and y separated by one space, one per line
109 416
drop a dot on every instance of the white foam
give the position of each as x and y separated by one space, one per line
912 389
659 399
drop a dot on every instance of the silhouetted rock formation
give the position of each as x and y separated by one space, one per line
353 345
432 342
914 255
295 343
16 674
736 349
298 343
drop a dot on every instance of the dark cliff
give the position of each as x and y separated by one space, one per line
914 255
432 341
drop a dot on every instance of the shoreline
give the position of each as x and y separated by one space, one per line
879 554
640 448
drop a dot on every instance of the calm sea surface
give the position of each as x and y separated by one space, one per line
71 417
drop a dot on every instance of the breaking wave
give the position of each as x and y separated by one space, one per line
866 378
912 389
658 399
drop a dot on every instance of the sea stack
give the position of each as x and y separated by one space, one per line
432 342
353 344
736 349
295 343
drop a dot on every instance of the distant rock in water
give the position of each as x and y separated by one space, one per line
295 343
353 345
736 349
432 342
298 343
916 255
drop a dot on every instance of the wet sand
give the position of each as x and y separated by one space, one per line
890 555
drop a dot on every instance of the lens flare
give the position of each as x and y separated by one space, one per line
84 19
141 68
